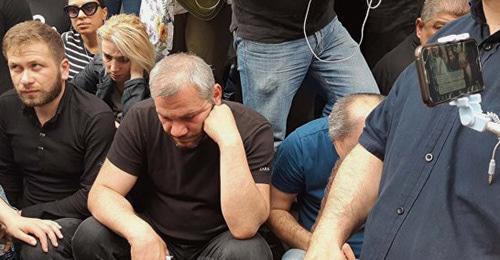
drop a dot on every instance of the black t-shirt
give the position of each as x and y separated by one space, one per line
12 12
184 202
274 21
387 70
51 12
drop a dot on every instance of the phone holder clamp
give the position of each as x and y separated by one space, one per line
472 116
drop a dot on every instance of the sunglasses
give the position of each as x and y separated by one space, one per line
88 9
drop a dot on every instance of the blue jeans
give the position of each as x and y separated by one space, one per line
129 6
294 254
271 74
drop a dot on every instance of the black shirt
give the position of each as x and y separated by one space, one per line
12 12
184 204
47 171
434 199
387 69
274 21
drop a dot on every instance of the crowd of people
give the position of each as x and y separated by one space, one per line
118 141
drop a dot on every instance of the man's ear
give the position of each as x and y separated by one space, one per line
64 68
217 94
419 25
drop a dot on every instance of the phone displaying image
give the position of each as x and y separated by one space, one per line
449 70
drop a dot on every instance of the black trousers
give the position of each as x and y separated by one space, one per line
62 252
93 240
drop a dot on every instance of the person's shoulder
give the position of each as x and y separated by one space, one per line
243 113
312 128
10 99
85 103
143 107
464 24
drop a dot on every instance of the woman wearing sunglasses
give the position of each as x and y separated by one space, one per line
80 42
120 72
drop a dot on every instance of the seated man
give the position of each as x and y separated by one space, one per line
303 165
209 166
435 14
53 136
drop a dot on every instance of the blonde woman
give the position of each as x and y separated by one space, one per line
119 75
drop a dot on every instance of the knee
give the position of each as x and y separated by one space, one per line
87 238
253 248
294 254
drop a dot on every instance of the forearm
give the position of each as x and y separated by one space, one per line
286 228
351 197
243 206
115 212
6 212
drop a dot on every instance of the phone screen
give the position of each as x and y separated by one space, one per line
450 70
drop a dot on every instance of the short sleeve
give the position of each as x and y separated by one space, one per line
378 123
127 150
288 171
259 149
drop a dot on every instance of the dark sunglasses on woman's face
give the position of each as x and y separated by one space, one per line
88 9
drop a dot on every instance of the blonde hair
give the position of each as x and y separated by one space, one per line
30 32
129 35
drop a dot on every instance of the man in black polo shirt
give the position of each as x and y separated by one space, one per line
208 163
53 136
421 175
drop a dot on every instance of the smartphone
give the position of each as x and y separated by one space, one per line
447 71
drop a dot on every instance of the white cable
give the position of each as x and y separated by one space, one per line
370 7
309 44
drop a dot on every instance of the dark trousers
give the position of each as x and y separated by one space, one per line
62 251
208 39
92 240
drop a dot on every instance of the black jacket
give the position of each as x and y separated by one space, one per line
95 80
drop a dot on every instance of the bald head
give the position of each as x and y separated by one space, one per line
347 119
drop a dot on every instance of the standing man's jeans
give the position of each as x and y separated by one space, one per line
271 74
129 6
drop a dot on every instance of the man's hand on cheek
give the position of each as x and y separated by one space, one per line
220 125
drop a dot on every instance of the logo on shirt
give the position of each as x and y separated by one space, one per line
264 169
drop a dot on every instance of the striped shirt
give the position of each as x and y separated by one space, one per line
76 52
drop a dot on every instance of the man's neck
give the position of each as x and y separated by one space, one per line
46 112
90 42
491 10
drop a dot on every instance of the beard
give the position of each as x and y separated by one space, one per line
44 97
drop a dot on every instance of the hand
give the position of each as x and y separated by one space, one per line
220 125
148 246
333 253
136 71
21 227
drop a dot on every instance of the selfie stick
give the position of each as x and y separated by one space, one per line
471 113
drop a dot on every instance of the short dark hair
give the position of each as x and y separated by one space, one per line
29 32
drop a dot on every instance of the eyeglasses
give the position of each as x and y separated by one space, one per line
88 9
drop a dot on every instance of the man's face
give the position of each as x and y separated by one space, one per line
37 77
182 116
425 30
116 64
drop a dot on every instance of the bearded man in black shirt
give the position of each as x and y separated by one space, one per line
53 136
208 163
